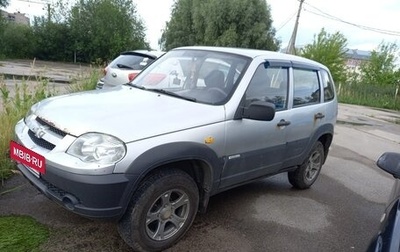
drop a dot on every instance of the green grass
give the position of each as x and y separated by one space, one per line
21 233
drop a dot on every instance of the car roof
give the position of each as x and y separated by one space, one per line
253 53
144 53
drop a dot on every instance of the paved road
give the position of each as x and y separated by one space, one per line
340 212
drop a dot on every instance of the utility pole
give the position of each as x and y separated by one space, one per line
291 49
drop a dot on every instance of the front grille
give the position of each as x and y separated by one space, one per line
39 141
51 127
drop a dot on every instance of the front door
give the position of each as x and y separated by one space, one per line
257 148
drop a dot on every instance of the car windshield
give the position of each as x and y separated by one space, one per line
197 75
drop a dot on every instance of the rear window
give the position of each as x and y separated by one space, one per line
132 62
329 91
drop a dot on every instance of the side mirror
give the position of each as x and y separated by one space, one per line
260 110
390 163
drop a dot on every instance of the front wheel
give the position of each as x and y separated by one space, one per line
307 173
161 211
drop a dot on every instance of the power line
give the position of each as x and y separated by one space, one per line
364 27
286 21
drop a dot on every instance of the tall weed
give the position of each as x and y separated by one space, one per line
14 106
85 82
16 100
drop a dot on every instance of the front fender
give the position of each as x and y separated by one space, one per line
179 151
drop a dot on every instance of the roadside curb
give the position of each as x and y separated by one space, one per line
34 77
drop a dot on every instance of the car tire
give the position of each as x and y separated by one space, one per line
307 173
161 211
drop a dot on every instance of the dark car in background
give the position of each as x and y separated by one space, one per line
388 237
125 67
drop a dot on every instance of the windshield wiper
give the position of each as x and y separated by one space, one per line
134 85
124 66
163 91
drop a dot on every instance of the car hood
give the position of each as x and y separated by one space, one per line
127 113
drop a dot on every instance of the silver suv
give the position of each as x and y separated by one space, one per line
198 121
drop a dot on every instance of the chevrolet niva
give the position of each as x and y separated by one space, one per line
198 121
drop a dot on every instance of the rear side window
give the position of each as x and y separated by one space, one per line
306 87
327 83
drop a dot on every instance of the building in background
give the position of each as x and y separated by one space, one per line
15 17
355 57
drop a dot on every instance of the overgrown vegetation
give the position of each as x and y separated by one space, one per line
370 95
13 109
16 101
21 233
377 81
84 31
374 82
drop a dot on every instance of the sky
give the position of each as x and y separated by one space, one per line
333 16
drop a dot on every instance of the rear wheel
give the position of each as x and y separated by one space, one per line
161 211
307 173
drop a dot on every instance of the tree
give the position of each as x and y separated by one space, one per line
234 23
330 50
89 31
381 68
102 29
3 3
52 41
17 40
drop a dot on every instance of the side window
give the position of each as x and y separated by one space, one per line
269 84
327 83
306 87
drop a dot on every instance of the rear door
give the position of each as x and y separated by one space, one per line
308 113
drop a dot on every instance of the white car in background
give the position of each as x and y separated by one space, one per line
125 67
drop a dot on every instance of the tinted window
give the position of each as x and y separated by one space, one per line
306 87
327 83
269 84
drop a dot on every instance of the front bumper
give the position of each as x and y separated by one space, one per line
94 193
104 196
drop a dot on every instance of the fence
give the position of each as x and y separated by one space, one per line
387 97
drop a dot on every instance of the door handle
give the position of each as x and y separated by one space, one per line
319 116
282 123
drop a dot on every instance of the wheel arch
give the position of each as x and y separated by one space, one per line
197 160
326 140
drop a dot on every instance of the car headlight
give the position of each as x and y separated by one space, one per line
97 148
